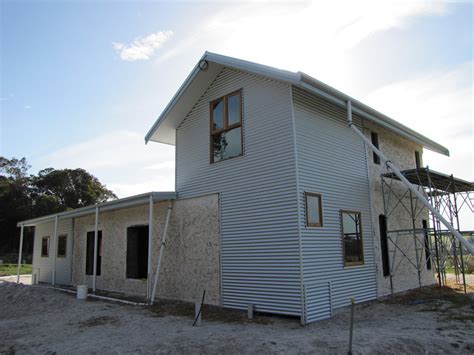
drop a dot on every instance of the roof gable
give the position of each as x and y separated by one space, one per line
210 65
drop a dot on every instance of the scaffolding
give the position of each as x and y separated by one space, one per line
432 245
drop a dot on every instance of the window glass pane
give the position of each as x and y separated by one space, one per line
218 114
45 247
352 234
62 242
314 214
233 108
137 252
227 144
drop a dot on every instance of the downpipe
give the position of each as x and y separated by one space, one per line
469 247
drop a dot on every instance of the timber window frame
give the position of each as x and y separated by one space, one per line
360 239
45 247
61 249
320 207
215 132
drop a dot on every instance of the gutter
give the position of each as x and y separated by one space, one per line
340 99
104 206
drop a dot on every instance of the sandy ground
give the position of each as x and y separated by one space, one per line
36 319
24 279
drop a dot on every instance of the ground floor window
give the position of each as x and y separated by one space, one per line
62 244
90 253
45 247
352 238
137 252
427 244
384 245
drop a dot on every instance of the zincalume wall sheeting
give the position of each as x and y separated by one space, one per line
45 264
331 162
258 208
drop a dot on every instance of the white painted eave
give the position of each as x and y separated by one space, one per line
126 202
164 129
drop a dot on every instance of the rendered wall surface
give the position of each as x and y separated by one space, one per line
191 260
402 153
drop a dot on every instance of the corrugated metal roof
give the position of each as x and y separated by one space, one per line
105 206
163 130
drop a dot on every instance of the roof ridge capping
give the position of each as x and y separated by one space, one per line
170 117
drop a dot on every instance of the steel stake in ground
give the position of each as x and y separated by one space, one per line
352 325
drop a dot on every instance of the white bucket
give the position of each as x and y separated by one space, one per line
82 292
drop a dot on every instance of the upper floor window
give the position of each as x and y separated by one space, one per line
352 238
417 159
226 127
375 141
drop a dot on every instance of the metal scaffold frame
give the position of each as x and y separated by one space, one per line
431 245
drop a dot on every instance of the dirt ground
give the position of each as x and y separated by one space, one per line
37 319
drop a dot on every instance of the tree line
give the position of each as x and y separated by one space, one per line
24 196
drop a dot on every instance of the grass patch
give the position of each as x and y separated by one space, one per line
450 270
10 269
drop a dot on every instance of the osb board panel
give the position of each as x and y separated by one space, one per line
191 259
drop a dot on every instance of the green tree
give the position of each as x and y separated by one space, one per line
69 188
15 201
24 196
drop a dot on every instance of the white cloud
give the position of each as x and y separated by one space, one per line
438 105
142 48
121 160
314 37
159 166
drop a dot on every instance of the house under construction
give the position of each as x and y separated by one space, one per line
290 196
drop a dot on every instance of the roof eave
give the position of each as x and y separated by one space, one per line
174 100
340 99
104 206
304 81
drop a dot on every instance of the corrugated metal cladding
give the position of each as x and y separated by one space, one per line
259 224
332 162
63 265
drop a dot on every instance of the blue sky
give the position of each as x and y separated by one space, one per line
82 82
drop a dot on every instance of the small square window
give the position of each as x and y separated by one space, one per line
352 238
45 247
314 210
62 244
